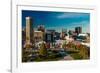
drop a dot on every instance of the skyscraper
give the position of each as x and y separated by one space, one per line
63 33
49 36
38 36
78 30
29 31
41 28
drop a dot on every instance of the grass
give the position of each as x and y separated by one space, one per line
54 56
76 56
50 57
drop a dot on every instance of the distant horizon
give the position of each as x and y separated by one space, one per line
58 20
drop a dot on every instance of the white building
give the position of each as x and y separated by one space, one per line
83 34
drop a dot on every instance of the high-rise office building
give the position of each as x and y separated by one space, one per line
29 31
23 36
41 28
78 30
49 36
63 33
38 36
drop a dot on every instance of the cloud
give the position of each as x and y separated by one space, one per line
72 15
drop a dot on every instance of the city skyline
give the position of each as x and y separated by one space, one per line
53 36
58 20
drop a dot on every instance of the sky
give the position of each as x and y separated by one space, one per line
58 20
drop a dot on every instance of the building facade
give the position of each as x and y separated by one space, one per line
38 36
29 31
78 30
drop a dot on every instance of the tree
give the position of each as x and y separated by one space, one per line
64 45
43 50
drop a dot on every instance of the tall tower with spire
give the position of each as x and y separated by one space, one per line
29 31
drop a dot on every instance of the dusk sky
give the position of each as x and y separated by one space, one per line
58 20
